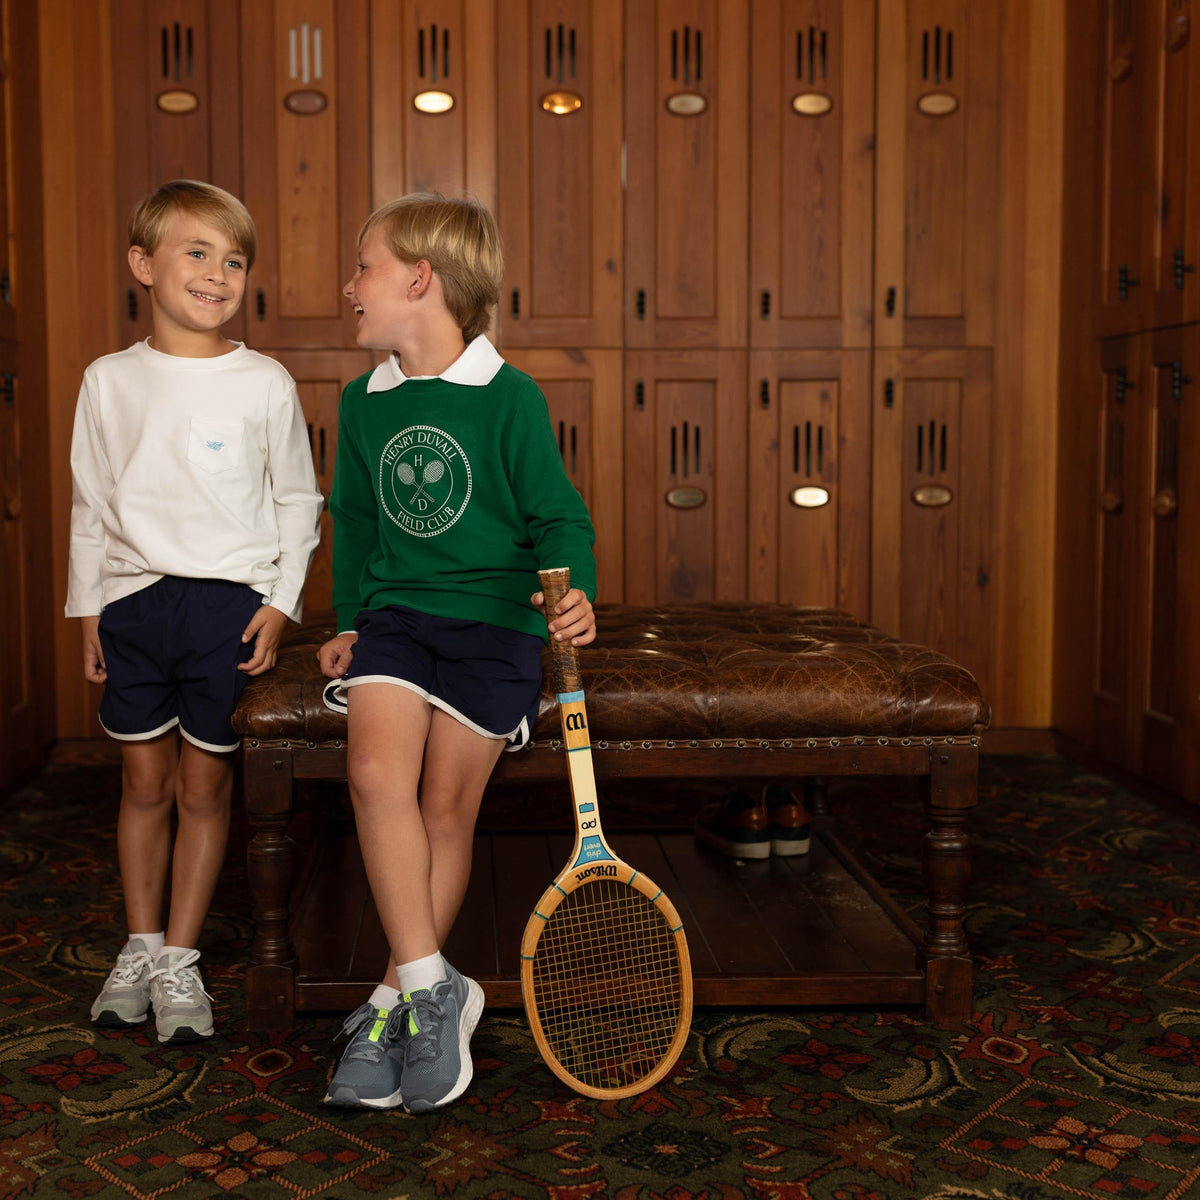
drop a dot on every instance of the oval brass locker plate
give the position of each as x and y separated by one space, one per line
178 102
932 495
686 497
561 104
937 104
812 104
687 104
433 102
306 103
808 497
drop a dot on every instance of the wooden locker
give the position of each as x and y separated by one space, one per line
8 313
176 99
936 162
809 455
1171 216
427 55
687 160
931 546
686 476
1120 388
1166 571
320 376
1124 121
812 93
306 151
560 197
583 392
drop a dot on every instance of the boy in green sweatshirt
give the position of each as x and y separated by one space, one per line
449 494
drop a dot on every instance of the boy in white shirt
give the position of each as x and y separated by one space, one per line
193 525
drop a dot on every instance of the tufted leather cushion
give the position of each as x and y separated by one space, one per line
693 671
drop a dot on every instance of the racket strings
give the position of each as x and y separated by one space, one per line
607 984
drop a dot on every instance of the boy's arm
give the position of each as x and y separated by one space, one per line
91 485
297 501
554 511
355 513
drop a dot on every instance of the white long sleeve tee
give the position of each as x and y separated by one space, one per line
195 467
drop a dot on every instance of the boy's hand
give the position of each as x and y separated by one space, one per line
334 657
94 670
573 618
265 629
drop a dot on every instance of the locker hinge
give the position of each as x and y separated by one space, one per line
5 286
260 305
1181 268
766 304
889 303
516 303
639 395
1123 385
1178 379
131 304
764 393
641 304
1125 281
889 393
7 395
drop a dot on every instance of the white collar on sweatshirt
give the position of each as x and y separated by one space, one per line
476 366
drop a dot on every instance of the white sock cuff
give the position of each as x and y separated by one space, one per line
152 941
385 997
421 973
162 954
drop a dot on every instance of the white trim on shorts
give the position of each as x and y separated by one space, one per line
437 702
140 737
209 745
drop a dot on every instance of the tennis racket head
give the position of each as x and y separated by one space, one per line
606 979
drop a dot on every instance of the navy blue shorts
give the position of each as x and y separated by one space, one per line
485 676
172 651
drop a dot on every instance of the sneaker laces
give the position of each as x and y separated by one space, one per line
364 1049
422 1015
128 971
180 979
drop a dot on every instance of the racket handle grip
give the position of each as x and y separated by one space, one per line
556 583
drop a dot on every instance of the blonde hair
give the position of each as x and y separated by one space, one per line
148 224
460 240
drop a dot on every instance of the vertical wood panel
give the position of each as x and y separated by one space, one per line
809 426
414 151
811 174
306 165
686 205
560 196
583 392
686 477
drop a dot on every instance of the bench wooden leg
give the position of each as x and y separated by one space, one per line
271 977
948 793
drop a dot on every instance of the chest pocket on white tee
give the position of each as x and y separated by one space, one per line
215 446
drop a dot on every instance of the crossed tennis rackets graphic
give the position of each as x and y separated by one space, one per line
431 474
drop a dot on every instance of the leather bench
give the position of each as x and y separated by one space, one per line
727 691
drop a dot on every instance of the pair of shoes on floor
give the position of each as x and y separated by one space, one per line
172 988
756 826
417 1055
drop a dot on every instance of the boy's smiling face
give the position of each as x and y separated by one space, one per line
379 292
196 276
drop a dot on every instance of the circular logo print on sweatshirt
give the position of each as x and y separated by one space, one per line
424 480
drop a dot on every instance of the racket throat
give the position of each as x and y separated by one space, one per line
590 846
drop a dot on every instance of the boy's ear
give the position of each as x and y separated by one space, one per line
139 264
424 277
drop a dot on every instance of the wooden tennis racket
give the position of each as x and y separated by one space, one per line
605 973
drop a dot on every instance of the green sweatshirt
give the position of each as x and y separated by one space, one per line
450 493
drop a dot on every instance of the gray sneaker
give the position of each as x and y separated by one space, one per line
437 1054
125 997
368 1075
182 1010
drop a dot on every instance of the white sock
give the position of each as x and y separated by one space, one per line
385 997
161 958
421 973
152 941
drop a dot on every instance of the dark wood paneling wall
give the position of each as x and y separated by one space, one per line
758 257
1128 654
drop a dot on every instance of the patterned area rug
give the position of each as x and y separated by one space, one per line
1079 1077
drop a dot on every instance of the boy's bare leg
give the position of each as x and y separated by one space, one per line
457 766
388 726
144 827
203 791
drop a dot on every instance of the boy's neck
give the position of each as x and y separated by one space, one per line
190 344
431 352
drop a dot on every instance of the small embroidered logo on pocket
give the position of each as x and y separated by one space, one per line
214 445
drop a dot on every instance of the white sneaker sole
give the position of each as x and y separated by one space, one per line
346 1097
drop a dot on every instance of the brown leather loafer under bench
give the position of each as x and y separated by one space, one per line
698 691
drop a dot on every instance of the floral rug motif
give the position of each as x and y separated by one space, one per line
1079 1075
